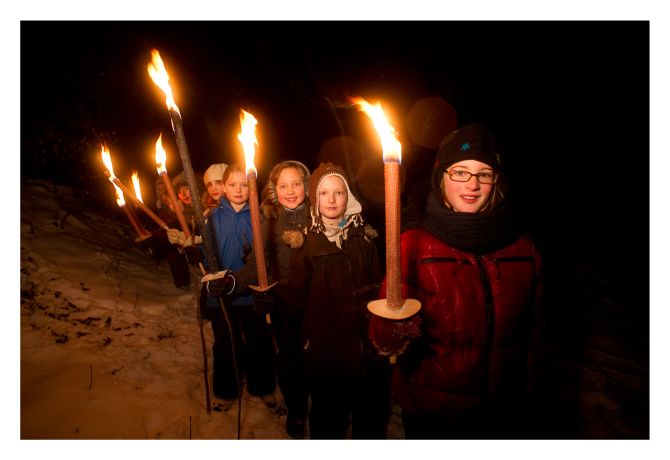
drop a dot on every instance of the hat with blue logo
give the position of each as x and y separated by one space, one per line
470 142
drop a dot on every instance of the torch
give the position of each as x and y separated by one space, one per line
394 306
141 235
247 138
131 212
162 171
160 77
107 160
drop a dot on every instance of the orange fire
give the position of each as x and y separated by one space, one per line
136 185
107 161
161 156
160 77
248 139
391 148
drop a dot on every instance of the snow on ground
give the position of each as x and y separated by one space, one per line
110 349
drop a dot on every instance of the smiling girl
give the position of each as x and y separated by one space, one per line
467 358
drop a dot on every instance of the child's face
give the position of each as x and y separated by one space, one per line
236 188
333 198
467 196
184 194
290 188
161 191
215 188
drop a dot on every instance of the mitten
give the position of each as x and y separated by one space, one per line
367 292
176 236
393 336
222 285
264 302
188 242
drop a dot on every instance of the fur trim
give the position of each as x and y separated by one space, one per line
370 232
294 238
269 211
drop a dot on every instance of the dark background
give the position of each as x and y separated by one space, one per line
569 102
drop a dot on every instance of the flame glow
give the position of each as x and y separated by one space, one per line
107 161
136 185
161 156
391 147
161 79
248 139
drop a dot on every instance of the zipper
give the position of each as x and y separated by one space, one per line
490 320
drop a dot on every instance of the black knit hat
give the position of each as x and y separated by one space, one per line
470 142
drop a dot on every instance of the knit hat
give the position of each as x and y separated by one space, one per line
214 172
179 181
470 142
354 208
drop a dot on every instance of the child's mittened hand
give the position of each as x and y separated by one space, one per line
392 336
176 236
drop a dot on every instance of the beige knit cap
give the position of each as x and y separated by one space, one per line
215 172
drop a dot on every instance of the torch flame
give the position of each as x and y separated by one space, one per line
391 148
161 79
136 185
107 161
119 197
160 156
248 139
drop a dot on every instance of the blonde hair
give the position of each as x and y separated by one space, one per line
269 194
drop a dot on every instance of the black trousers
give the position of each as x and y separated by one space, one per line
254 349
290 368
366 399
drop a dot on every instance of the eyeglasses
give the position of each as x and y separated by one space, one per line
461 175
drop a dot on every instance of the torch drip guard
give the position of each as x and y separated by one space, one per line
408 308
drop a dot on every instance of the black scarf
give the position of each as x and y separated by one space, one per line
475 233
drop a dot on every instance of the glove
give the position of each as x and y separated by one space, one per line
393 336
264 302
222 286
193 255
197 239
178 237
367 292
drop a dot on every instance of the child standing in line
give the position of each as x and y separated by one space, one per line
230 224
214 182
285 213
338 264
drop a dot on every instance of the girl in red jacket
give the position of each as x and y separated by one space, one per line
465 359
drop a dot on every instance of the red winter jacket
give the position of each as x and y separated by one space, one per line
479 321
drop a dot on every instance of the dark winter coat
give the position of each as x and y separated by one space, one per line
281 228
338 284
479 321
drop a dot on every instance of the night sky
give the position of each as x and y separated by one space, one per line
569 102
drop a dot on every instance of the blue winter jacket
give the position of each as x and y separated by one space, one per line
233 237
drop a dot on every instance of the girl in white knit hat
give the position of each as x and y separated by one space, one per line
214 182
